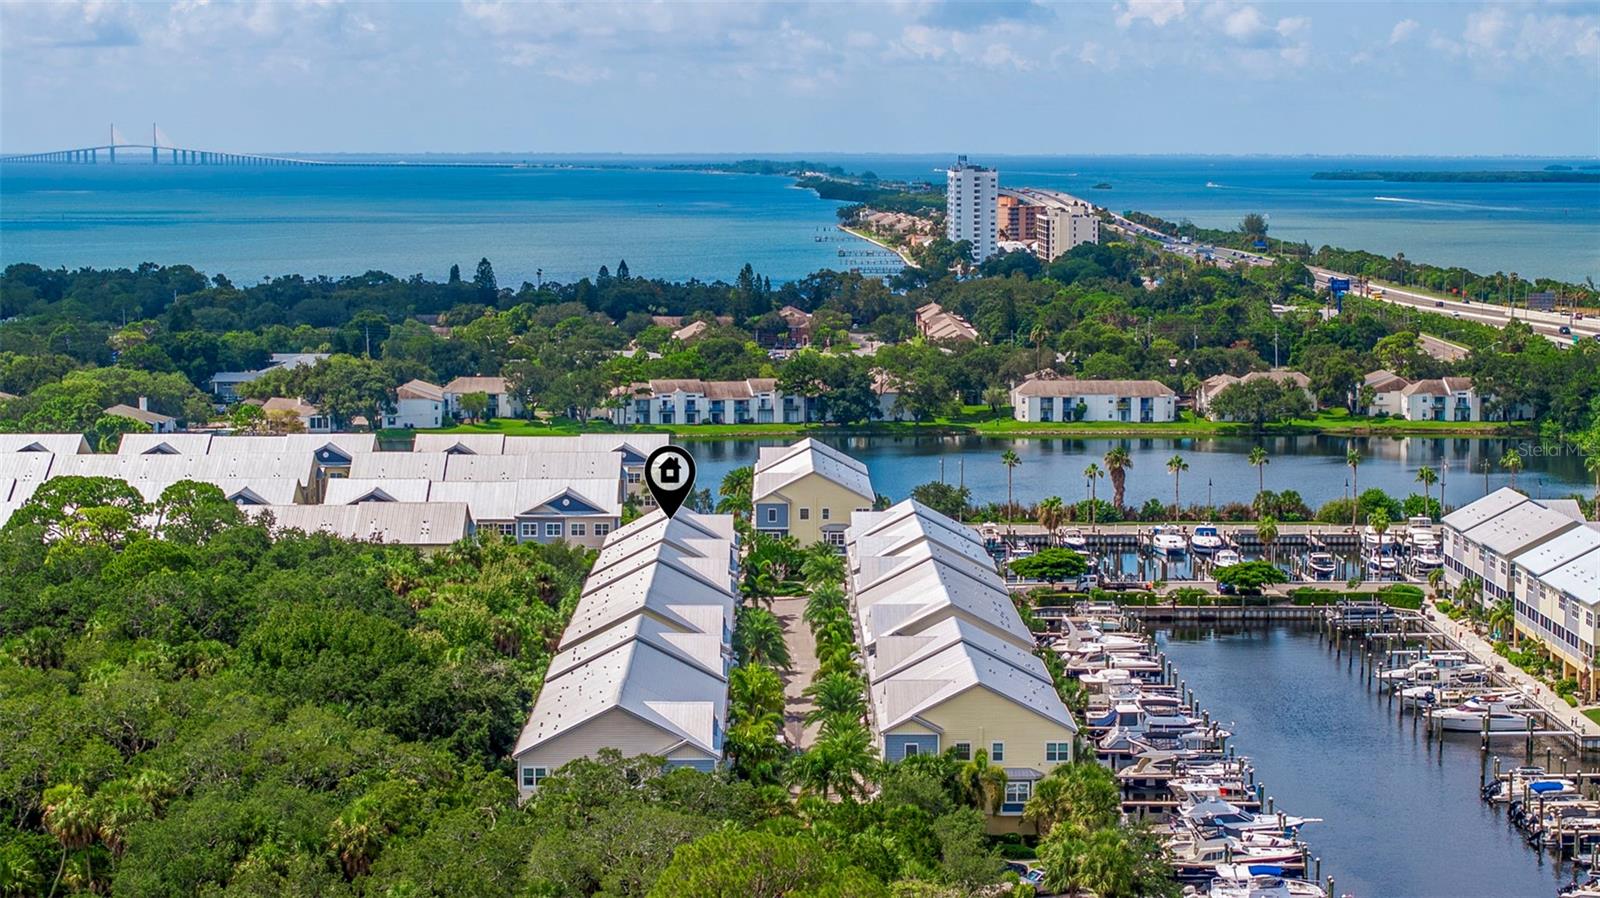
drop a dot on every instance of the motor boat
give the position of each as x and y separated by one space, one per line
1470 715
1528 782
1020 549
1200 858
1216 814
1322 565
1433 663
1427 560
1260 881
1206 539
1420 533
1169 540
1384 564
1372 539
1226 558
1073 538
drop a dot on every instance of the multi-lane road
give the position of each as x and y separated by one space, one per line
1549 324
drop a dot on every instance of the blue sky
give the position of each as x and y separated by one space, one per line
1141 76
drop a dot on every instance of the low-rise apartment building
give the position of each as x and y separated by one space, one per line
1212 387
1483 540
755 400
643 665
502 402
1556 594
808 491
418 404
1069 399
935 323
949 662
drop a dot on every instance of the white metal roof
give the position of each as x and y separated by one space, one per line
929 592
396 465
893 654
497 501
1578 578
403 523
954 670
1564 548
682 600
705 650
1474 513
26 465
1523 525
777 467
473 443
641 443
683 701
56 443
350 491
164 443
294 443
543 465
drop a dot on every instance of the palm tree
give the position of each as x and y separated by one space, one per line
1501 618
994 398
836 695
1052 514
1512 461
1093 473
1267 532
822 565
1435 580
841 762
758 638
1379 522
1010 459
1176 466
1259 459
1118 463
735 490
1352 458
357 835
754 691
1037 335
1427 477
68 817
983 783
827 600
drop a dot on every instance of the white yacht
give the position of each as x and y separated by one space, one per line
1372 539
1169 540
1260 881
1206 539
1322 565
1073 538
1469 716
1420 533
1214 813
1427 559
1226 558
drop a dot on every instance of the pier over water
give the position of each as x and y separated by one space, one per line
1402 815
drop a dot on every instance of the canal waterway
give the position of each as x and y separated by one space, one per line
1218 471
1402 817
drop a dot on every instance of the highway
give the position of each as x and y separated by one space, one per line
1548 324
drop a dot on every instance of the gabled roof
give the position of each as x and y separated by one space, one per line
954 670
351 490
1075 387
56 443
683 601
398 465
899 529
164 444
893 654
295 406
401 523
928 592
1522 526
683 701
473 443
420 389
138 414
1474 513
778 467
536 466
27 466
635 444
1439 386
1384 381
704 650
503 501
463 385
308 443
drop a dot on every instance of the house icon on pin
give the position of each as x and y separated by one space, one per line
669 470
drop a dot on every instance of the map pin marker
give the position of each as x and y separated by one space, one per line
669 473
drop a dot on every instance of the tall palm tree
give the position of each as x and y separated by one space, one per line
1592 465
1267 532
1259 460
1118 463
1512 461
68 817
1010 459
357 836
1176 466
1379 522
754 691
1037 336
836 695
1427 477
1093 473
1352 458
825 602
841 762
1501 619
1052 514
758 638
983 783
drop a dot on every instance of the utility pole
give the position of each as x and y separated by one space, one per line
1274 347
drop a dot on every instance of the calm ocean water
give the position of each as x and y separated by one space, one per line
567 222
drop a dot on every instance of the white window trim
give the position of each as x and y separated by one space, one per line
997 751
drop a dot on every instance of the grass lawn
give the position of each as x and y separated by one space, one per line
1593 714
980 420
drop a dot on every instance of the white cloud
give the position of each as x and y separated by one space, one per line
1402 30
1156 12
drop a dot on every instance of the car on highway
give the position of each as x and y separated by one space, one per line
1455 314
1564 330
1438 303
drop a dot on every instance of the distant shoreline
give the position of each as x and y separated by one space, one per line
1464 177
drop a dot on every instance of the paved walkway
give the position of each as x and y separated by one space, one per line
803 661
1530 686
